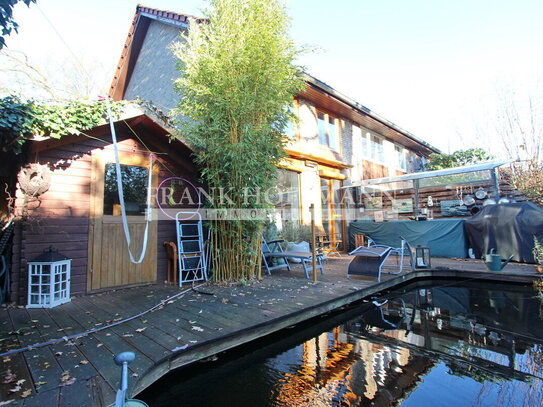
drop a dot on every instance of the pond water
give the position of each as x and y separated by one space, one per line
428 344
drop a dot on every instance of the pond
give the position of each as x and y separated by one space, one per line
438 343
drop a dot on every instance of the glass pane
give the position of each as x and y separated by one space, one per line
288 198
475 176
325 202
134 189
323 138
332 133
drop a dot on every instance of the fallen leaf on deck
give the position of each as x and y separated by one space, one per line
20 381
128 335
193 341
197 328
7 359
192 322
5 403
83 362
26 393
8 378
299 303
180 348
224 300
40 383
199 312
15 389
66 379
140 330
135 375
176 319
100 344
58 353
47 326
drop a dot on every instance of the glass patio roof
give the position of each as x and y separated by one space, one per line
449 176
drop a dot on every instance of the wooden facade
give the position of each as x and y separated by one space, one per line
69 215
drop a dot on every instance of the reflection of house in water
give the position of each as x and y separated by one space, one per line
354 371
381 357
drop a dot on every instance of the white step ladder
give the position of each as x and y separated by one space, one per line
191 250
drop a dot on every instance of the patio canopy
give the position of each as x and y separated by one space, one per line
486 171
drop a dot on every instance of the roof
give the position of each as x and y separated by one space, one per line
364 111
350 108
488 165
136 34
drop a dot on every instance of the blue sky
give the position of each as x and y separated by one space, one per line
431 67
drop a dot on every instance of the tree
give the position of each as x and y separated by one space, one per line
457 159
7 22
238 82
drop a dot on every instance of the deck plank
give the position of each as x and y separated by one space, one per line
43 365
231 316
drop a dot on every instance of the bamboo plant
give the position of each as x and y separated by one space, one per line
237 85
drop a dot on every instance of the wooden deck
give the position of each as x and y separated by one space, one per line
81 372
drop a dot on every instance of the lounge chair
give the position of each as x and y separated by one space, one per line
370 260
273 250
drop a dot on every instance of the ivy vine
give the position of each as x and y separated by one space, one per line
23 120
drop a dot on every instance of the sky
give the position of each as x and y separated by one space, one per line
432 67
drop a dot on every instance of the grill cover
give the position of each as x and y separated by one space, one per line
508 228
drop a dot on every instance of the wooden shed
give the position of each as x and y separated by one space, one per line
79 214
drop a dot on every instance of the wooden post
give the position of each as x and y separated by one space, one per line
313 243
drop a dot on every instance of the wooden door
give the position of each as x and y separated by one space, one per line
109 261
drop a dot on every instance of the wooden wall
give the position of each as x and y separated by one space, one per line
60 217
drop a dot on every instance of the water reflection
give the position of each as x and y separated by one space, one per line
462 345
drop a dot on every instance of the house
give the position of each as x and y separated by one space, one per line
337 141
77 210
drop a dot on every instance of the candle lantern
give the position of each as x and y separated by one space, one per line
422 257
48 280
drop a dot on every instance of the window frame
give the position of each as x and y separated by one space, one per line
325 139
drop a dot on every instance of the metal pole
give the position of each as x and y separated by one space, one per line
313 243
417 198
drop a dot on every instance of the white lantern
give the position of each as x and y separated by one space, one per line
48 280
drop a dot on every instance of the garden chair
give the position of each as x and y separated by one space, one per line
371 260
273 250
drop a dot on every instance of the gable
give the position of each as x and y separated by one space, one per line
146 81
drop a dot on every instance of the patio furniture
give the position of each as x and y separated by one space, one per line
329 243
371 260
171 252
444 237
7 231
272 250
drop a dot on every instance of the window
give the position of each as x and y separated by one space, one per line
290 128
328 130
401 161
377 152
134 190
288 197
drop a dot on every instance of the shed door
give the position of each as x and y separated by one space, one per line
109 261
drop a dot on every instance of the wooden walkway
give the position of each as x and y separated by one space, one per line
81 372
